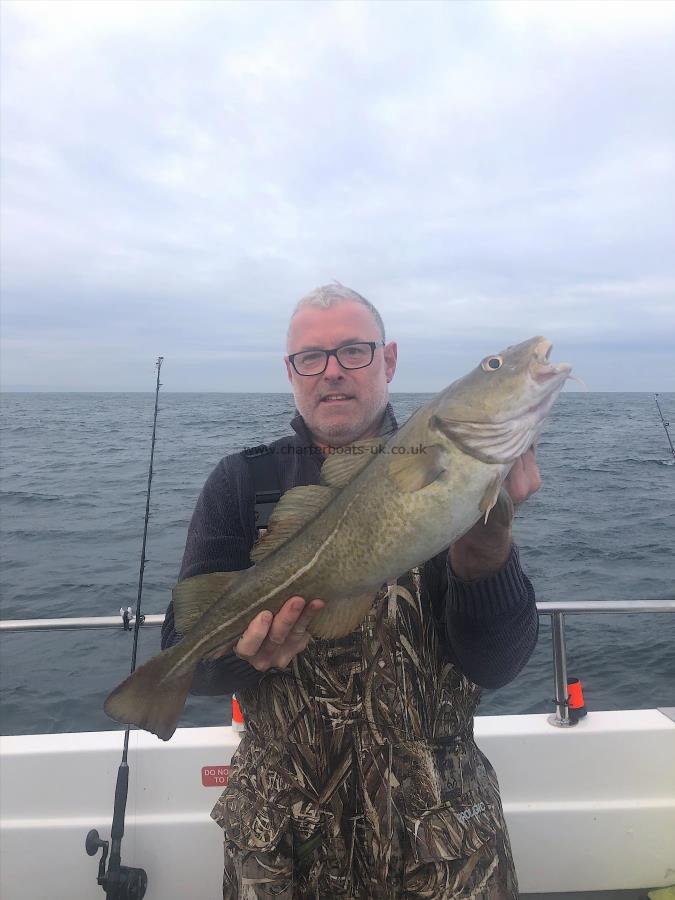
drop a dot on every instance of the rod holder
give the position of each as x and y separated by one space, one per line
561 718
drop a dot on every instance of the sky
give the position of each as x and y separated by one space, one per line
175 176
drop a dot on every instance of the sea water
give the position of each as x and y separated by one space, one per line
73 486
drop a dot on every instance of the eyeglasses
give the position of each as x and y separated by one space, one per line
350 356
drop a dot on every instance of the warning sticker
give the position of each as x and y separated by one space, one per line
215 776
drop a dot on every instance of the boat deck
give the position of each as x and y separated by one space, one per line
589 895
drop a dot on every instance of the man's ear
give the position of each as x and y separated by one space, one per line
289 369
390 356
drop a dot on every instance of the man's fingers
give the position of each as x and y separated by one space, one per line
531 471
524 479
274 641
300 627
253 638
285 620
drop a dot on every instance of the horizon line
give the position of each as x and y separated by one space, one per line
288 393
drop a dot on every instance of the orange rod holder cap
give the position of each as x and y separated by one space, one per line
238 723
575 698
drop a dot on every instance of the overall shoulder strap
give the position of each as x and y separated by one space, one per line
266 484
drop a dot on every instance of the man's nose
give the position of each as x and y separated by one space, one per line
333 369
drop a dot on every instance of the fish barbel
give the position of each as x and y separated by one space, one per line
431 482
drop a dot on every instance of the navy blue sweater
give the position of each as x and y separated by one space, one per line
491 624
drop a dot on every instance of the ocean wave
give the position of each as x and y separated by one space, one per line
28 497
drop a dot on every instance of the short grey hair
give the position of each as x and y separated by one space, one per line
329 294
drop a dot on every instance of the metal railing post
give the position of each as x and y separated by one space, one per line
561 717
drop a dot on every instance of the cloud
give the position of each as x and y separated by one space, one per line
176 175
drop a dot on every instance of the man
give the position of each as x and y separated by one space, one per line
358 775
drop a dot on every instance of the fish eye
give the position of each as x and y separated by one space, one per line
492 363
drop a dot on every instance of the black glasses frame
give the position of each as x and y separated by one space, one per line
334 352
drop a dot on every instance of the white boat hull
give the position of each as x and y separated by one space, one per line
588 808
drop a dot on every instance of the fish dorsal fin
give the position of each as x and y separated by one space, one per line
490 442
193 596
345 463
296 508
417 467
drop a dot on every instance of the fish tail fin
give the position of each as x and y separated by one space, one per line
150 700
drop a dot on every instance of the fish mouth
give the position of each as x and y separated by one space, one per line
542 369
549 379
502 437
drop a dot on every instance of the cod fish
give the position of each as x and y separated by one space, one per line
430 482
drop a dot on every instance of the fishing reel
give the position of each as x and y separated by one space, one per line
119 882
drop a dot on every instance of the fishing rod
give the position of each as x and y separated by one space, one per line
124 882
666 425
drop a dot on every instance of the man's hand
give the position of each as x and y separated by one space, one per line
524 478
271 642
485 548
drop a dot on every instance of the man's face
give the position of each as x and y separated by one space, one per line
340 405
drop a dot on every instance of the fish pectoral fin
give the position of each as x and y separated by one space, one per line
341 617
418 467
147 700
192 597
490 497
296 508
345 463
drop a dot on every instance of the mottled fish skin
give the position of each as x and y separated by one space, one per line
431 482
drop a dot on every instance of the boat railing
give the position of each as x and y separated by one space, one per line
557 610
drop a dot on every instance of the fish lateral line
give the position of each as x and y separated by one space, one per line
282 588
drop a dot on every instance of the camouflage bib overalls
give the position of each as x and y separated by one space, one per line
359 777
